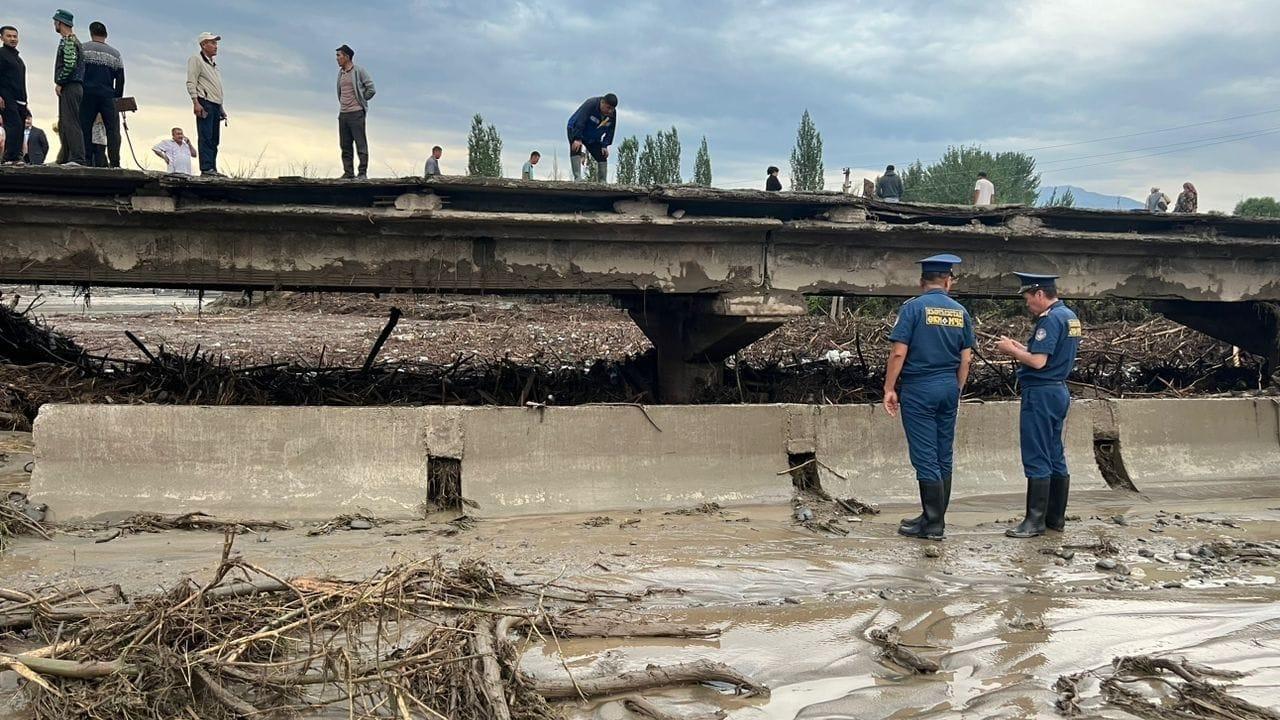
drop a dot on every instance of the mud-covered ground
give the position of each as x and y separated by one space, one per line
1005 618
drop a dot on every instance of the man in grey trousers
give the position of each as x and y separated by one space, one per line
355 89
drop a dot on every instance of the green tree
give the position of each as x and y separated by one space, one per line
702 165
628 154
1258 207
950 180
659 161
484 149
806 157
1067 199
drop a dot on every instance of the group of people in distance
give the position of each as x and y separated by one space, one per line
928 367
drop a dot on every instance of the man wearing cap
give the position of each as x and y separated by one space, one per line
1045 362
204 86
933 343
68 81
355 89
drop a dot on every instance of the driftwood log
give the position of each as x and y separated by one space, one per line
654 676
890 639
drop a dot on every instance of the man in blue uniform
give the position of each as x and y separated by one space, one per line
591 130
1045 362
932 346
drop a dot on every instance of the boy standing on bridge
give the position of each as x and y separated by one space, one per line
591 131
1046 361
933 344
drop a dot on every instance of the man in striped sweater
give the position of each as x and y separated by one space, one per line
68 80
103 84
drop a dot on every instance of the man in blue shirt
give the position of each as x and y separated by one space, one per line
932 346
591 131
1045 362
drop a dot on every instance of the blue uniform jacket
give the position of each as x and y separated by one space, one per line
591 126
935 329
1057 333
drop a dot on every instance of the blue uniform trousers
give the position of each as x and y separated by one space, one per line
929 418
1044 411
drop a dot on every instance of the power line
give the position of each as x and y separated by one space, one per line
1153 132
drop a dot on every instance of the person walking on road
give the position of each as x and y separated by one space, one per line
103 85
933 342
68 81
13 95
1044 364
1188 199
204 87
355 90
591 131
889 186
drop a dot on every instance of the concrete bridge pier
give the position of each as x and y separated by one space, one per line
1252 326
692 335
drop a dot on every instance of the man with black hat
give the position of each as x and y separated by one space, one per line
1045 362
355 89
68 80
933 344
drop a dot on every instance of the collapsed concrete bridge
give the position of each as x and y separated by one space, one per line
703 272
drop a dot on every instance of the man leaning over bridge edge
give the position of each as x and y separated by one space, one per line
591 131
1045 362
933 343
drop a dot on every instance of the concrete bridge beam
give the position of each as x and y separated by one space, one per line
692 335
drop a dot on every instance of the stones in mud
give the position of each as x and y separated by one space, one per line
803 514
1106 564
932 552
1184 556
360 524
1147 552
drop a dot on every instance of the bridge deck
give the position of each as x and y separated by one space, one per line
113 227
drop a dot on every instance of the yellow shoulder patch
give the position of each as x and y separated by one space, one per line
1074 329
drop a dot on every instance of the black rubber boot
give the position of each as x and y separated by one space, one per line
1055 518
1037 503
946 502
932 527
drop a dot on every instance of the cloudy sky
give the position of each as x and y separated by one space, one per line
885 82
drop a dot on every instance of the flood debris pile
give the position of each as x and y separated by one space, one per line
811 360
19 516
421 640
1162 689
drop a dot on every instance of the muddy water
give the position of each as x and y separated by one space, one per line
1003 618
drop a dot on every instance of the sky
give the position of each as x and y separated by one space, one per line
884 82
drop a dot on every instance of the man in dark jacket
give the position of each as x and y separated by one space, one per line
68 80
37 144
103 84
13 94
772 183
889 186
591 131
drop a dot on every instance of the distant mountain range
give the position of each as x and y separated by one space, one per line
1090 200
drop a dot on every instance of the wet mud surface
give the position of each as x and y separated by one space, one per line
1004 618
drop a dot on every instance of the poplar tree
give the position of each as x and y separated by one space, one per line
702 165
806 157
628 156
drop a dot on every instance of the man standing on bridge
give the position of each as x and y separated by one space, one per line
13 95
591 131
933 344
1046 361
103 85
355 90
204 86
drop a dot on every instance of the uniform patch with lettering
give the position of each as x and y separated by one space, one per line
1073 328
944 317
1042 334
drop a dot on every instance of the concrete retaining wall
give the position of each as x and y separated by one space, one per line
869 448
314 463
1193 440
